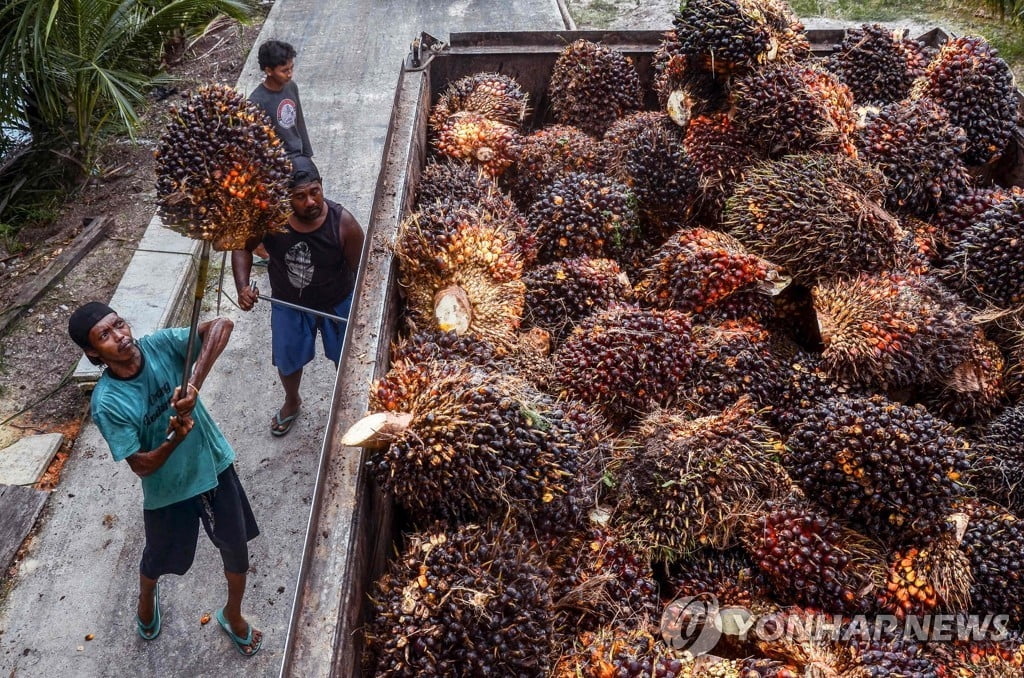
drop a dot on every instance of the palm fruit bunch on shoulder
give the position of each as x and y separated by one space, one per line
984 265
600 579
792 108
994 543
561 293
459 442
620 652
697 269
817 216
624 360
547 153
917 149
878 64
975 390
592 86
930 578
447 180
221 171
733 359
495 96
472 137
976 87
688 483
651 160
956 217
719 149
476 596
999 471
892 331
583 214
891 469
461 268
725 36
811 559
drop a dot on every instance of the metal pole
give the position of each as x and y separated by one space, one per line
304 309
193 331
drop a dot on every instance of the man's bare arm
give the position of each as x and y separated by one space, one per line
351 235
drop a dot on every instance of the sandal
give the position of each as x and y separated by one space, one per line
281 425
245 645
152 629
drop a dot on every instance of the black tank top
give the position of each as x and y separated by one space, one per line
309 269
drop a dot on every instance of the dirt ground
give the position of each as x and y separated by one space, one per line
36 356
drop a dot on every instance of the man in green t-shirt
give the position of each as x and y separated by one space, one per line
170 441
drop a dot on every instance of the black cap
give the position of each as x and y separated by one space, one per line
303 172
84 319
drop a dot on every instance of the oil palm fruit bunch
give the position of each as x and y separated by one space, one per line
975 390
805 384
725 36
560 294
495 96
461 268
810 559
222 173
994 543
999 472
698 269
720 151
625 360
917 149
472 137
546 154
684 89
653 164
730 576
463 442
600 579
792 108
476 596
817 216
930 578
984 265
955 217
892 331
582 214
971 81
733 359
687 483
451 180
592 86
878 64
434 345
621 652
892 469
787 31
980 658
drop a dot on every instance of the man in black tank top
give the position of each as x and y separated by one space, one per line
313 263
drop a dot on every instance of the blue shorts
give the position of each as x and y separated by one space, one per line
293 336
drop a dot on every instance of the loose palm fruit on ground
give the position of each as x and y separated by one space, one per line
493 95
976 87
476 139
792 108
546 154
810 559
878 64
919 152
592 86
583 215
221 172
625 361
815 215
560 294
687 483
474 597
892 470
892 331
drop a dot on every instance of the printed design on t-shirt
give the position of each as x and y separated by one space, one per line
287 112
159 403
299 262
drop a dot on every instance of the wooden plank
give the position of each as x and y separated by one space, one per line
20 506
58 268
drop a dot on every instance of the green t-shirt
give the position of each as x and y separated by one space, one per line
132 415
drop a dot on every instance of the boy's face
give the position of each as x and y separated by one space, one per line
280 75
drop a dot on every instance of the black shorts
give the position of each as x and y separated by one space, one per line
173 531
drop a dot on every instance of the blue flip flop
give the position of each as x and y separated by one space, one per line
152 629
240 643
282 425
